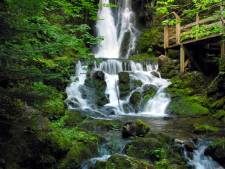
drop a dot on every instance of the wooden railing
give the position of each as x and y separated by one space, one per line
183 33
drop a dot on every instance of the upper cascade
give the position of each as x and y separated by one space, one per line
117 27
117 85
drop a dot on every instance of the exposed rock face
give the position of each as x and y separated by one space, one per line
139 128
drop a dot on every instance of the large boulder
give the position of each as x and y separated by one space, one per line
118 161
137 128
124 83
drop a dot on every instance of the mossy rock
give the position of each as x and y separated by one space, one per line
156 147
141 128
136 83
118 161
124 83
137 128
135 100
149 92
96 83
220 114
188 106
205 128
78 153
73 118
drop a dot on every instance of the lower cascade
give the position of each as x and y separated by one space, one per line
131 89
199 160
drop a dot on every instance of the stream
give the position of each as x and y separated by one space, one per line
118 27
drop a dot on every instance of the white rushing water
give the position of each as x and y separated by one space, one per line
106 28
117 27
200 160
74 92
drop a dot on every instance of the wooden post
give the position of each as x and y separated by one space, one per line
222 45
166 37
182 58
197 24
178 28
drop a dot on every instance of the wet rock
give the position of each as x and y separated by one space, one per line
118 161
136 83
124 83
139 128
135 100
149 92
99 75
189 146
129 130
95 88
156 74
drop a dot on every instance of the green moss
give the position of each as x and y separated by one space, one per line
220 114
188 105
124 162
79 152
156 147
124 80
63 138
102 125
205 128
218 142
163 164
149 93
135 99
144 57
141 128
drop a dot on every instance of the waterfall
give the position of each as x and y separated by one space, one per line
117 27
200 160
106 28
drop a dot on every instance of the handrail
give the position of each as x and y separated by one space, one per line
169 35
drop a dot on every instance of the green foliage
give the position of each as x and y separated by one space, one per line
148 39
53 105
163 164
201 31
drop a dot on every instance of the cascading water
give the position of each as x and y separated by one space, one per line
117 27
199 160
